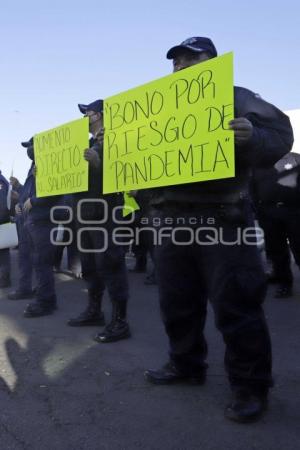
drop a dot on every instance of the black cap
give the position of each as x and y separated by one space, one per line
27 144
96 106
196 44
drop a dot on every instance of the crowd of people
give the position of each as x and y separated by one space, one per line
231 276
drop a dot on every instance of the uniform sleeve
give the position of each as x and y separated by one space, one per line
272 131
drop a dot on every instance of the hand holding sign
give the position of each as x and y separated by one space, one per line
92 157
243 130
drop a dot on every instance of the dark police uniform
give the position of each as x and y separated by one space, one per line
37 227
25 265
276 193
231 276
105 268
4 218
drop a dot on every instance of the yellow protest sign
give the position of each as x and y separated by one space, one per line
130 205
173 130
58 154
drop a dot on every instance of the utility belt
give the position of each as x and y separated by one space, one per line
236 200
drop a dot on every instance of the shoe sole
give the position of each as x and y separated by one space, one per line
245 420
90 324
251 419
113 339
30 315
47 312
184 380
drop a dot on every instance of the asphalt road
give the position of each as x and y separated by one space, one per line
60 390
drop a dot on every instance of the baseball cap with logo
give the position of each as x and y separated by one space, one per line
196 44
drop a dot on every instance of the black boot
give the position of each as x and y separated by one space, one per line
118 327
40 308
170 374
92 315
247 405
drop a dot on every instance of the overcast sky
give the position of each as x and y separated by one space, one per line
70 52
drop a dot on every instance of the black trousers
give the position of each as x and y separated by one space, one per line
4 264
281 225
72 251
229 273
144 245
25 257
42 251
103 263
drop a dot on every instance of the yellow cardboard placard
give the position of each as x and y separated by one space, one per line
172 130
58 154
130 205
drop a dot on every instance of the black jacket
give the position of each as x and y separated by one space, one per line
272 139
94 210
4 212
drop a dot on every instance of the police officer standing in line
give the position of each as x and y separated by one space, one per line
231 276
4 218
25 264
276 194
104 265
38 225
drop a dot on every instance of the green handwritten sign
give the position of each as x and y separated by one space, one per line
171 131
58 154
130 205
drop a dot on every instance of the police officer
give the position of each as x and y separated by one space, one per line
38 225
276 193
231 276
24 289
102 261
4 218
